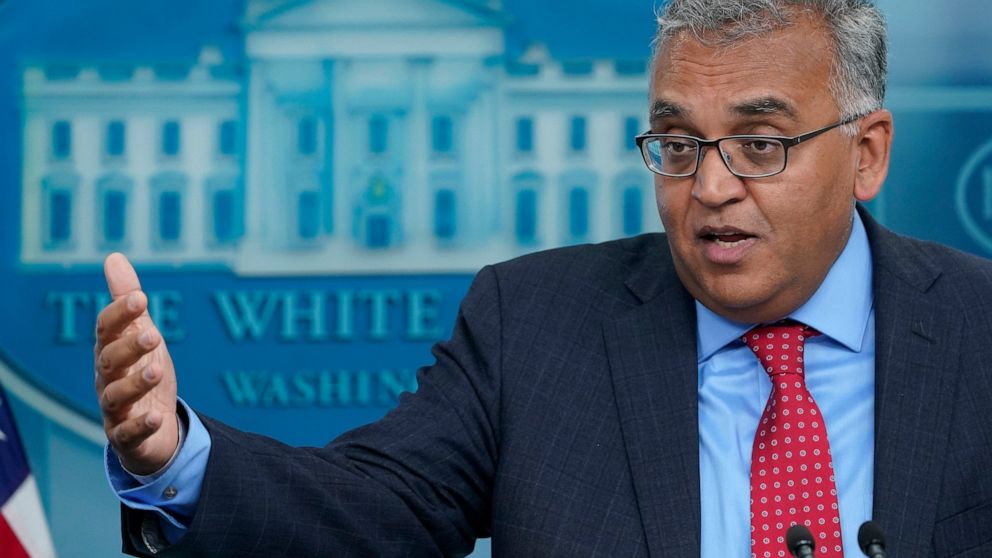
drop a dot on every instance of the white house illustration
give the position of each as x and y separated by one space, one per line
357 136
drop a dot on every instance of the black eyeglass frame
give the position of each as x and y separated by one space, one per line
786 141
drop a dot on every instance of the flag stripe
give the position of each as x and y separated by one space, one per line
23 529
26 520
13 462
10 546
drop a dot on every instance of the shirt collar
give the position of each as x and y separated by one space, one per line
839 308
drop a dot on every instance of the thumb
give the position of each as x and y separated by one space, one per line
121 277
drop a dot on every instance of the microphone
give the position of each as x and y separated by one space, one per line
800 541
871 540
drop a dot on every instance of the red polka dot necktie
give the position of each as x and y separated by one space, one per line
792 477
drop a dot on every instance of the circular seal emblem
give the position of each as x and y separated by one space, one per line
973 198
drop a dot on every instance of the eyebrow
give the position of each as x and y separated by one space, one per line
663 108
763 106
759 106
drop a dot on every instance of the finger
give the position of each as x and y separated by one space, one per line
118 397
114 360
117 315
132 432
120 275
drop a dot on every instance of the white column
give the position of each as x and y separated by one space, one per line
37 138
549 132
472 204
418 216
604 144
259 234
342 149
498 172
88 156
194 164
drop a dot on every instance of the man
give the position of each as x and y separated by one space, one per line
607 400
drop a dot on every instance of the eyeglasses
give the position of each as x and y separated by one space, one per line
746 156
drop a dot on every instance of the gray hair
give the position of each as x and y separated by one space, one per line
857 27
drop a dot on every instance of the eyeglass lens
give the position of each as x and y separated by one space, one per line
677 156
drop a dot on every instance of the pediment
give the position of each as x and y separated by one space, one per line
369 14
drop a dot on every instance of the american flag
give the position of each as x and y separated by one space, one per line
23 530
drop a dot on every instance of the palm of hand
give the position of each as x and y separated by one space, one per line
135 377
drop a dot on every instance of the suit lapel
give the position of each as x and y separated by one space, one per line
652 354
916 348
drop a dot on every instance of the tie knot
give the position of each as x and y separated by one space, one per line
779 346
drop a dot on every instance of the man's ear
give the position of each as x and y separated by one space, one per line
873 150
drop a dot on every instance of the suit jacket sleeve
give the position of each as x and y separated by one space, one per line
415 483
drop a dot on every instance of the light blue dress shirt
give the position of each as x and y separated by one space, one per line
733 389
840 375
174 491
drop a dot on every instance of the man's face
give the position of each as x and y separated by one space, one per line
753 250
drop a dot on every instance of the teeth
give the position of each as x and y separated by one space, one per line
725 244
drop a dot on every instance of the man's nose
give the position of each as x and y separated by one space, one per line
714 184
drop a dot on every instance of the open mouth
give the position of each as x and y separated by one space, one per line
726 245
727 240
726 237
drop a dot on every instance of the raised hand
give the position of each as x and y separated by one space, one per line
135 379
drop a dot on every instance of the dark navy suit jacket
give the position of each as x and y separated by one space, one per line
561 419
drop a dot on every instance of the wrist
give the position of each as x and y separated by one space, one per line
181 428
